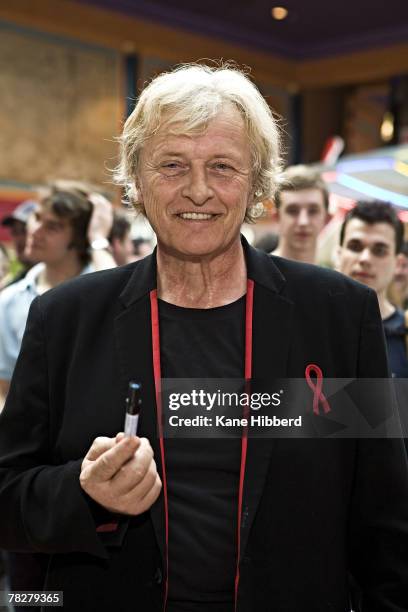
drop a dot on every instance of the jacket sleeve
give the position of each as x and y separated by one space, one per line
42 506
379 517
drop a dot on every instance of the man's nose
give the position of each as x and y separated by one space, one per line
303 217
35 227
197 188
365 256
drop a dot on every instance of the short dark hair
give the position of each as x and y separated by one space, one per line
298 178
404 248
268 242
137 243
73 205
120 226
372 212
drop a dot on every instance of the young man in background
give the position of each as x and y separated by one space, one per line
370 241
120 240
302 203
66 233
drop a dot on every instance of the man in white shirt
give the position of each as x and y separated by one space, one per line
67 234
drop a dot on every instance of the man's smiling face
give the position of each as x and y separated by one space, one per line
195 189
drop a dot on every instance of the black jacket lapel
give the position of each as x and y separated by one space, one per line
272 318
134 349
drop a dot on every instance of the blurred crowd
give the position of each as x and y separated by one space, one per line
369 247
69 230
73 229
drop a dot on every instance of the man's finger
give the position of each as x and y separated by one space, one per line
99 446
134 472
151 496
110 462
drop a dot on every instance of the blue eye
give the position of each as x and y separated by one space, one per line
172 168
222 166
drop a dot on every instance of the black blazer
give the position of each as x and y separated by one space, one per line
313 510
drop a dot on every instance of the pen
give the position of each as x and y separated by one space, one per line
133 406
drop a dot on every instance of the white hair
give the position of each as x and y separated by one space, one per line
187 99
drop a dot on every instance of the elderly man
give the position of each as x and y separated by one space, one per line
147 523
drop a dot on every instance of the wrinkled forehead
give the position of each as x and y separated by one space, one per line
225 133
180 122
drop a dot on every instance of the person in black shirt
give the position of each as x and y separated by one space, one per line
398 291
370 240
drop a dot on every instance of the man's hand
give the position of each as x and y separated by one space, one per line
121 475
99 228
101 220
4 389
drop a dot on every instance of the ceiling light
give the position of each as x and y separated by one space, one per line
387 127
279 12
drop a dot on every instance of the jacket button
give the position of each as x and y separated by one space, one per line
158 576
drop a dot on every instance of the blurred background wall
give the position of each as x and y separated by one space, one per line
70 72
60 107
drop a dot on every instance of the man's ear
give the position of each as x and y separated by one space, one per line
336 256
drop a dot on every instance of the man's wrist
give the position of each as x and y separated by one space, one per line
100 244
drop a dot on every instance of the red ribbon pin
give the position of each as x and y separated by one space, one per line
318 395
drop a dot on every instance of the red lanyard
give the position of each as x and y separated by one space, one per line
244 440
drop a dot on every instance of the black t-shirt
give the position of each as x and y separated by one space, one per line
395 335
202 474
